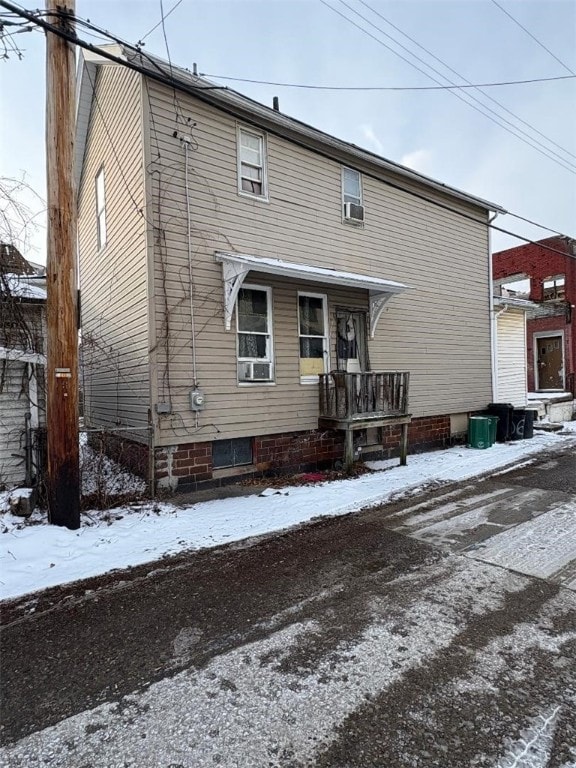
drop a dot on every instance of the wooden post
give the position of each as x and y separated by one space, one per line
62 346
348 450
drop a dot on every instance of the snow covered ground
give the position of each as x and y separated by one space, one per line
35 555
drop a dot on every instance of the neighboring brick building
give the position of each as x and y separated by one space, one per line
551 328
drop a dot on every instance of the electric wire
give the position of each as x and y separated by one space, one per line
385 87
177 107
535 223
541 44
458 74
162 20
514 130
198 90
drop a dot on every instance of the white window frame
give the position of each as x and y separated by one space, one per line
358 200
326 345
264 166
270 343
101 231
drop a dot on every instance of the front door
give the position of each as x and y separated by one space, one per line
351 341
550 361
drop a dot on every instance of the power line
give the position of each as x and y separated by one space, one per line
159 75
386 87
534 37
177 108
195 90
162 20
535 224
451 69
546 152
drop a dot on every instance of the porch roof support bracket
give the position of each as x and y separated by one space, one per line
233 274
377 301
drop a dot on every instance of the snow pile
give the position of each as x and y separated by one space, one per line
102 476
37 556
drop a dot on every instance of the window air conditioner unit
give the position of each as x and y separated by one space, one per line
353 212
255 371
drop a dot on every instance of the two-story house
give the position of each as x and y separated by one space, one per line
548 268
251 286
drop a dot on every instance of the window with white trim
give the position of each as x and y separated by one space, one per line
351 186
313 336
252 163
254 331
100 209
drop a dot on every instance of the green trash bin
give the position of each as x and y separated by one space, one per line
479 429
493 428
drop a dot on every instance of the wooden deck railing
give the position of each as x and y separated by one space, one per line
363 396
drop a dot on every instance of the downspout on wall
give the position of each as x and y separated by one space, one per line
493 339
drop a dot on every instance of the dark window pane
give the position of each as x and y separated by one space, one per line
222 453
251 345
311 316
255 187
312 347
252 310
232 453
242 448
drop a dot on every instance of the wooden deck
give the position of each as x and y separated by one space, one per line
353 401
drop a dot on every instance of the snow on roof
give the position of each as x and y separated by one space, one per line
512 301
23 287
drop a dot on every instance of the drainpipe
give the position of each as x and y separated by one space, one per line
493 357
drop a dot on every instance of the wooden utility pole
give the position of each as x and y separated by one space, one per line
62 320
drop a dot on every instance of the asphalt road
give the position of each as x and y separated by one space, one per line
435 631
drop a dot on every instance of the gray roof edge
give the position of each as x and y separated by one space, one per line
228 98
253 111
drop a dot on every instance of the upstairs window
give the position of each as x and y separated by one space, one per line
353 209
100 209
554 288
254 328
251 163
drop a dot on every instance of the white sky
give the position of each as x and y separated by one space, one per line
304 41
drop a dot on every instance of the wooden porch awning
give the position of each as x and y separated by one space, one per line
235 267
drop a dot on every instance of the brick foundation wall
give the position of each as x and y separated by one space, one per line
300 450
188 463
423 434
189 466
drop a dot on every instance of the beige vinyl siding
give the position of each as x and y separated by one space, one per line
114 280
14 405
439 330
511 358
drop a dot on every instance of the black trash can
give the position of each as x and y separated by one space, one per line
518 423
504 413
529 424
